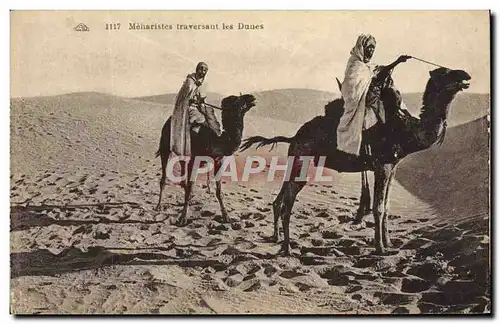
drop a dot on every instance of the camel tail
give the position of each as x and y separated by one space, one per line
263 141
164 145
158 153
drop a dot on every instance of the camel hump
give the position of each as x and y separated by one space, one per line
335 108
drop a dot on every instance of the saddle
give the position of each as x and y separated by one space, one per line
204 116
381 140
384 139
203 140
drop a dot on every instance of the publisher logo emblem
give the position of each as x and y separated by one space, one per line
81 27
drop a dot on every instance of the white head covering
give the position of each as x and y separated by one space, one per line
200 64
363 42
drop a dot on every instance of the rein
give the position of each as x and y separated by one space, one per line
422 60
216 107
213 106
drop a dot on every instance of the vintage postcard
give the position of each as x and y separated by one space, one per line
250 162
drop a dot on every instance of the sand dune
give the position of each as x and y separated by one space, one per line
96 131
455 176
83 130
169 98
300 105
465 108
85 238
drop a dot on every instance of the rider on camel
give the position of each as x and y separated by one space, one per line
361 92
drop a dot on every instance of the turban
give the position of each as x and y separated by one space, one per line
199 65
361 44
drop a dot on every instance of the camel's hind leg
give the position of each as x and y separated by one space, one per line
386 241
164 160
290 191
285 200
218 191
382 179
277 211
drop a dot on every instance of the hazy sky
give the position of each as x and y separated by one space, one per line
295 49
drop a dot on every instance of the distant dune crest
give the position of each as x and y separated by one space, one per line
300 105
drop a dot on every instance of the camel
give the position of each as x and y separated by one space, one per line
206 143
409 134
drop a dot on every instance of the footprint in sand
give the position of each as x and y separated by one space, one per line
259 216
208 213
396 299
344 218
414 284
244 245
335 275
301 216
233 280
249 224
323 214
235 226
246 215
319 208
353 289
102 233
217 227
331 235
316 242
417 243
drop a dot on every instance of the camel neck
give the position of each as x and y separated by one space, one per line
434 114
232 136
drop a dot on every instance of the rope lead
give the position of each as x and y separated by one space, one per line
419 59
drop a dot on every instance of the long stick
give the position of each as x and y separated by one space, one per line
212 106
419 59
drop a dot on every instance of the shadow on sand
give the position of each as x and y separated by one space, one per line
44 263
25 217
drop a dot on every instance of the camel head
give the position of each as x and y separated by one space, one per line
241 103
445 79
234 108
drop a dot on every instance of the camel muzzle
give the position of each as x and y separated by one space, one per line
463 79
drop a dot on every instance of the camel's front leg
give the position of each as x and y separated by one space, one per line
218 194
364 201
385 229
382 177
209 190
188 187
218 190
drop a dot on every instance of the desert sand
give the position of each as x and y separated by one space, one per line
85 238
